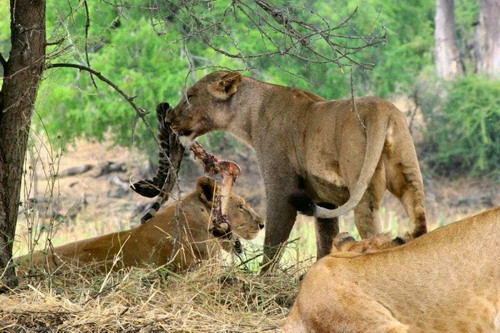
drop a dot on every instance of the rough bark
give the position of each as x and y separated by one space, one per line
448 62
22 72
487 46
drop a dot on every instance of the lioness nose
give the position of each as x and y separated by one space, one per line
261 225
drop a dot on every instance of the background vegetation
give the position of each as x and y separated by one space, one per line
142 47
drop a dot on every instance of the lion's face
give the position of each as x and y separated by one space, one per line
202 107
244 221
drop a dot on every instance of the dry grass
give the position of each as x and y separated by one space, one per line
216 297
219 296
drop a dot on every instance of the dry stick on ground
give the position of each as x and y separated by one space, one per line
140 111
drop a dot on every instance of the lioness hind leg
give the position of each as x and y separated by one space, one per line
326 230
366 214
413 201
366 219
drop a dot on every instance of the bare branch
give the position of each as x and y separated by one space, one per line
57 42
313 39
87 26
354 109
130 99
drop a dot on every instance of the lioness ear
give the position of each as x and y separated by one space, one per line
206 188
226 86
342 240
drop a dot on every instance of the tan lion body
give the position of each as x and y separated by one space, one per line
153 243
445 281
305 143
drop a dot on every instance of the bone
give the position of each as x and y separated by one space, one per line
230 172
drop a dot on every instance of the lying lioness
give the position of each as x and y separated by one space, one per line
445 281
154 243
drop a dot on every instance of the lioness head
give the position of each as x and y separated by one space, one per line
245 222
204 106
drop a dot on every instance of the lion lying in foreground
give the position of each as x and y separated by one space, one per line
445 281
153 243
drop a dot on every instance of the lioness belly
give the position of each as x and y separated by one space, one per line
325 189
324 180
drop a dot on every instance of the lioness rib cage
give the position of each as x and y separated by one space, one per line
170 157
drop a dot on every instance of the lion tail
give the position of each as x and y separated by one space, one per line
375 139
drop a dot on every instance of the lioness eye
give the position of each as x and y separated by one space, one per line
190 96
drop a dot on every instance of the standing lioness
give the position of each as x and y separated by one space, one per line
338 156
445 281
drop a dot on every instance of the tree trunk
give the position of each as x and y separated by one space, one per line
22 71
448 62
487 46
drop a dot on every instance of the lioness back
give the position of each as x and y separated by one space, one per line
445 281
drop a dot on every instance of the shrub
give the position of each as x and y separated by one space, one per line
463 134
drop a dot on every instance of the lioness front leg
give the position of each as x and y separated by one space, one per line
280 220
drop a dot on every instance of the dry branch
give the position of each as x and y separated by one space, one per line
312 39
87 26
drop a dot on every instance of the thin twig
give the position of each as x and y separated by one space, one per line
87 26
287 34
57 42
130 99
413 113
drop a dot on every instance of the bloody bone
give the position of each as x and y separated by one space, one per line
229 171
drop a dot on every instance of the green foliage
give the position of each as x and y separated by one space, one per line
142 50
410 44
464 135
